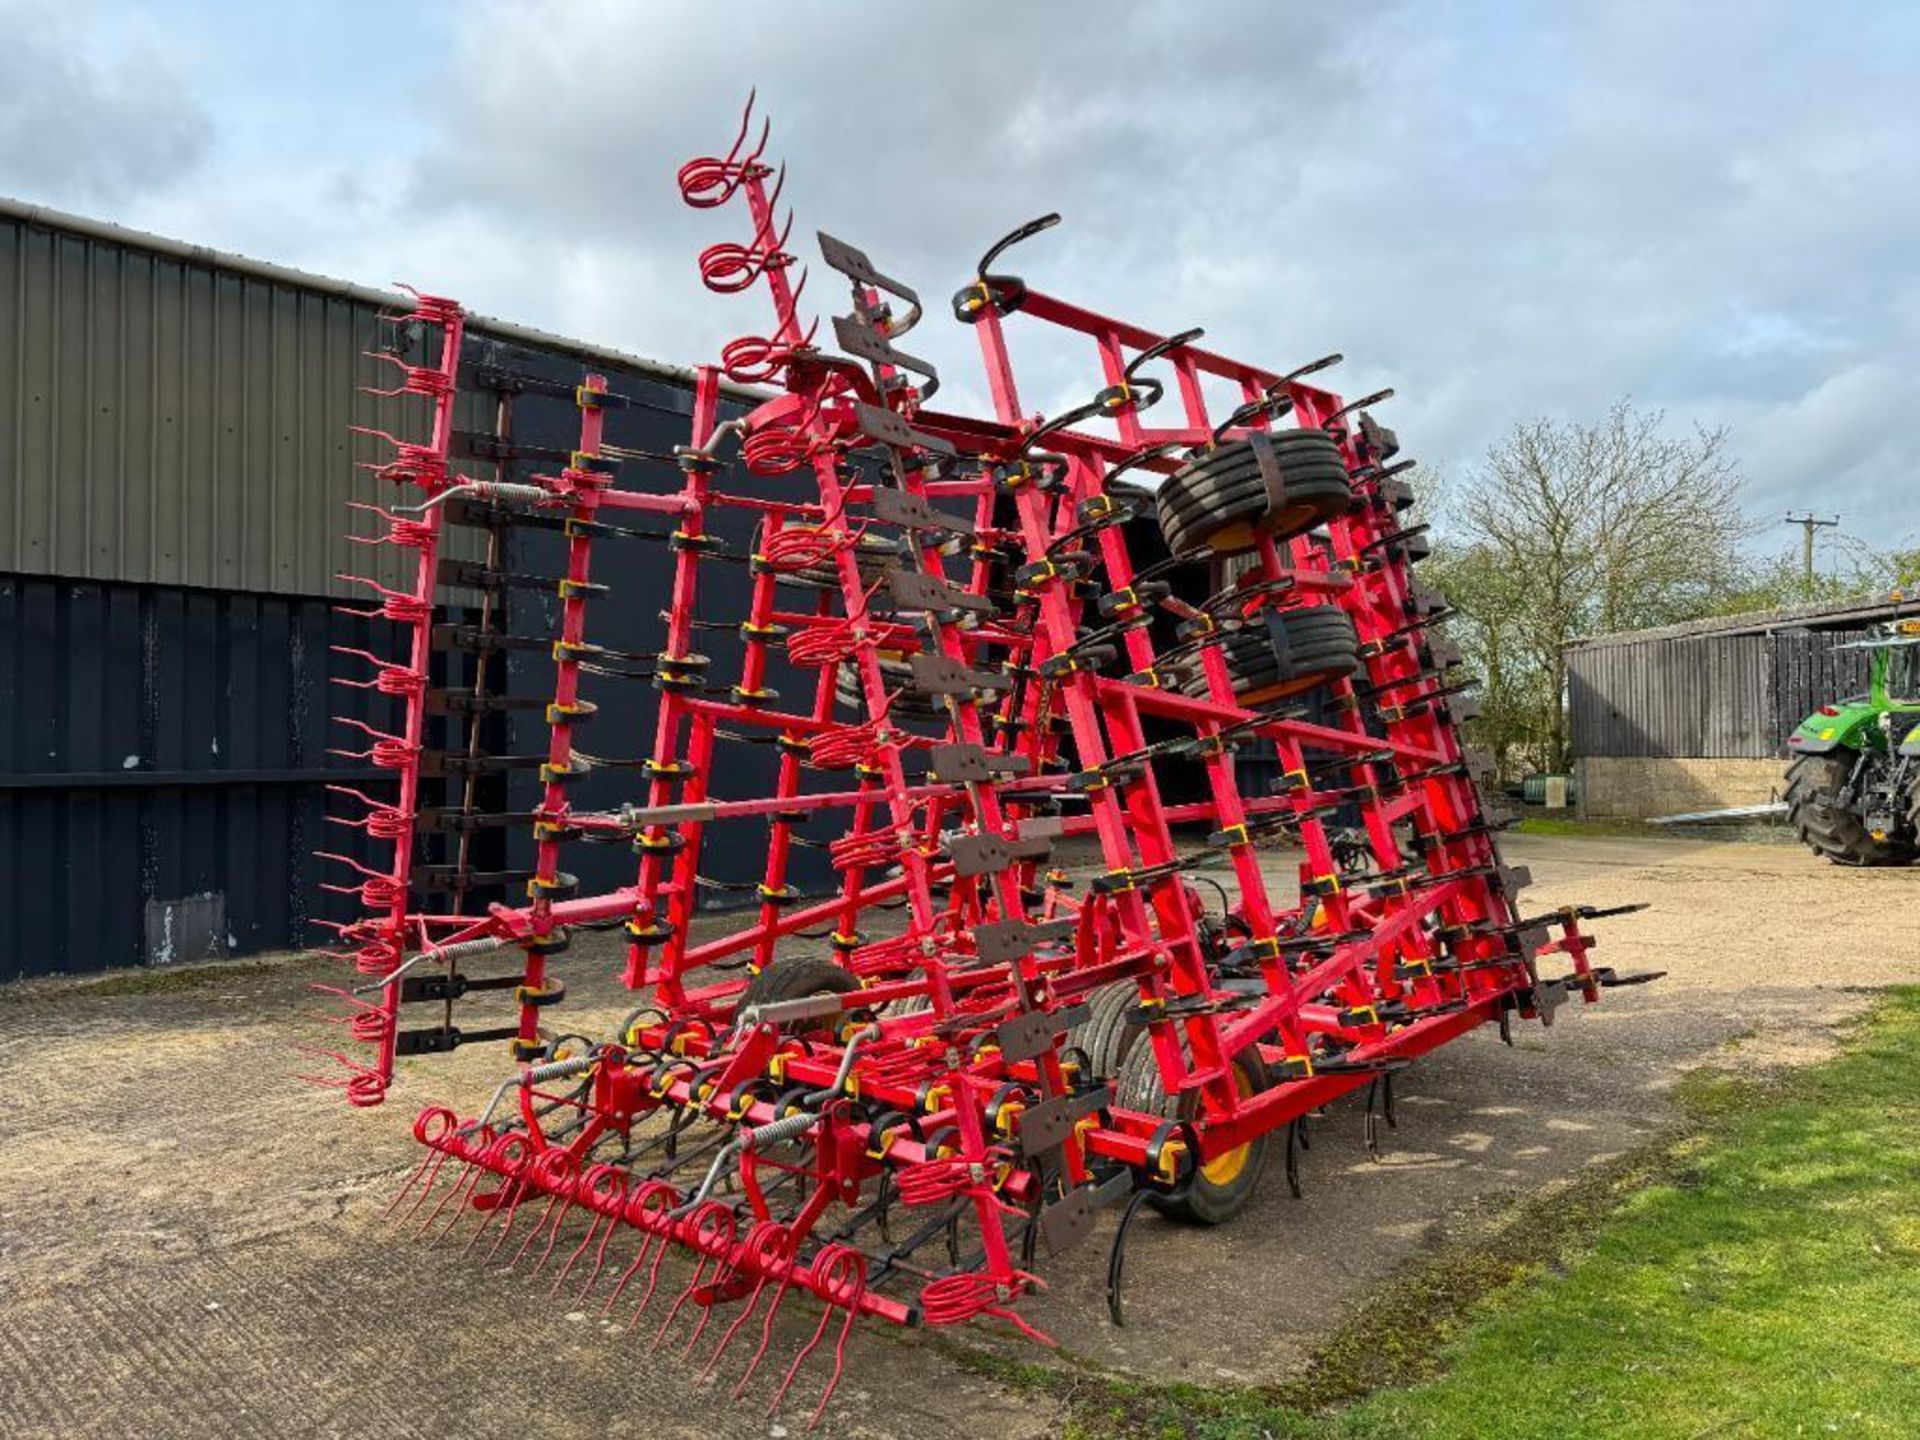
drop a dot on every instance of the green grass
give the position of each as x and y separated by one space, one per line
1568 825
1775 1291
1553 825
1756 1275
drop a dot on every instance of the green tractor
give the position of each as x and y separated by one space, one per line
1853 789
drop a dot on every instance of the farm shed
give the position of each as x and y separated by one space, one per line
176 460
1695 716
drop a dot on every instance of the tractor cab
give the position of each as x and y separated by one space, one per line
1896 684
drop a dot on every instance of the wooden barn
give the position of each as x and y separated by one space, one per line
1695 716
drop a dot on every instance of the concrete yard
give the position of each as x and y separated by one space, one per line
189 1238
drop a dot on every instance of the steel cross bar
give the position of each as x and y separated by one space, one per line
657 857
587 494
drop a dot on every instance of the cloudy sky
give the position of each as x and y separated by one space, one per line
1502 210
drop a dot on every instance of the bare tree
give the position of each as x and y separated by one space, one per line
1572 529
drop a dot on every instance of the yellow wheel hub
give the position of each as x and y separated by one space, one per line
1225 1167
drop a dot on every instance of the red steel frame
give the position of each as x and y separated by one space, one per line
381 938
929 1080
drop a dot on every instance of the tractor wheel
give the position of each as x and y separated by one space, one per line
1221 500
1220 1189
795 979
1321 647
1822 821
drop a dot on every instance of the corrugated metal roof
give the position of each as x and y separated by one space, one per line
174 415
1833 615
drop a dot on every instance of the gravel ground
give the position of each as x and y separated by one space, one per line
189 1238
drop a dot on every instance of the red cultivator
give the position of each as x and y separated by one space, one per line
957 1052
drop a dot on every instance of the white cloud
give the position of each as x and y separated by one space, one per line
99 123
1500 212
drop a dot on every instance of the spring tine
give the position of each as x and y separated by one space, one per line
600 1257
473 1197
553 1234
436 1127
706 1314
826 1315
839 1366
656 1196
653 1277
699 1272
746 122
711 1228
839 1276
488 1213
512 1194
726 1268
514 1154
433 1179
434 1159
760 148
593 1228
553 1231
766 1332
647 1238
746 1312
534 1234
467 1179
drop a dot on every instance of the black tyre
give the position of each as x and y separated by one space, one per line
1826 823
1913 795
1109 1030
794 979
1220 1189
1321 644
911 1005
874 556
1221 501
896 673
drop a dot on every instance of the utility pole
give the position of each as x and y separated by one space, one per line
1808 524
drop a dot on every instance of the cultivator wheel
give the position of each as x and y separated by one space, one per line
1215 1190
968 640
1113 1023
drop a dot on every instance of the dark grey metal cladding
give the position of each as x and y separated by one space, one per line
159 746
